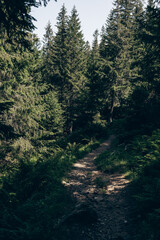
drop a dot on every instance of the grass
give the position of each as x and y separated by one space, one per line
139 160
114 159
101 182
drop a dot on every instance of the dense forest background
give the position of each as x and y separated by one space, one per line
58 101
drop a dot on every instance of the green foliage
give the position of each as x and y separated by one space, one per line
101 182
134 156
147 199
15 17
32 197
55 103
95 94
34 114
140 161
64 64
113 160
32 201
117 49
47 52
146 83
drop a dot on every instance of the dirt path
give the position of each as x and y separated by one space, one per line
103 204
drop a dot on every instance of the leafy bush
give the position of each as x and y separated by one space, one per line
33 199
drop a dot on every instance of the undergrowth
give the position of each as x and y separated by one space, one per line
32 197
140 161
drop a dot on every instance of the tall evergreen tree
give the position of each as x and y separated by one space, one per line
148 84
117 48
95 94
47 40
59 56
26 103
151 39
76 66
69 64
47 68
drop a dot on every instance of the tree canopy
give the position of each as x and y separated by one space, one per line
16 15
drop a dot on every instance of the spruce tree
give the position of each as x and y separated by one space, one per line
47 66
69 64
148 84
24 94
116 48
15 17
95 94
151 39
48 40
76 67
59 56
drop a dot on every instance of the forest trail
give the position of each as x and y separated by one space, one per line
103 204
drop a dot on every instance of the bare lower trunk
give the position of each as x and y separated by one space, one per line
112 107
111 115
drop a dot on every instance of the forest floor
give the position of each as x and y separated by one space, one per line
103 204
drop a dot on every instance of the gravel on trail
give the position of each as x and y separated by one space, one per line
103 206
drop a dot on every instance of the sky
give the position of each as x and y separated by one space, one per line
92 14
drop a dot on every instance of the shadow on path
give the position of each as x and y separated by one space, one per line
103 203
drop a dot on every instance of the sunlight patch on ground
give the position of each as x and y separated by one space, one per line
79 165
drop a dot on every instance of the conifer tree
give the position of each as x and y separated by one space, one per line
47 68
69 64
59 56
48 39
117 48
76 66
15 17
94 75
148 84
151 39
25 95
